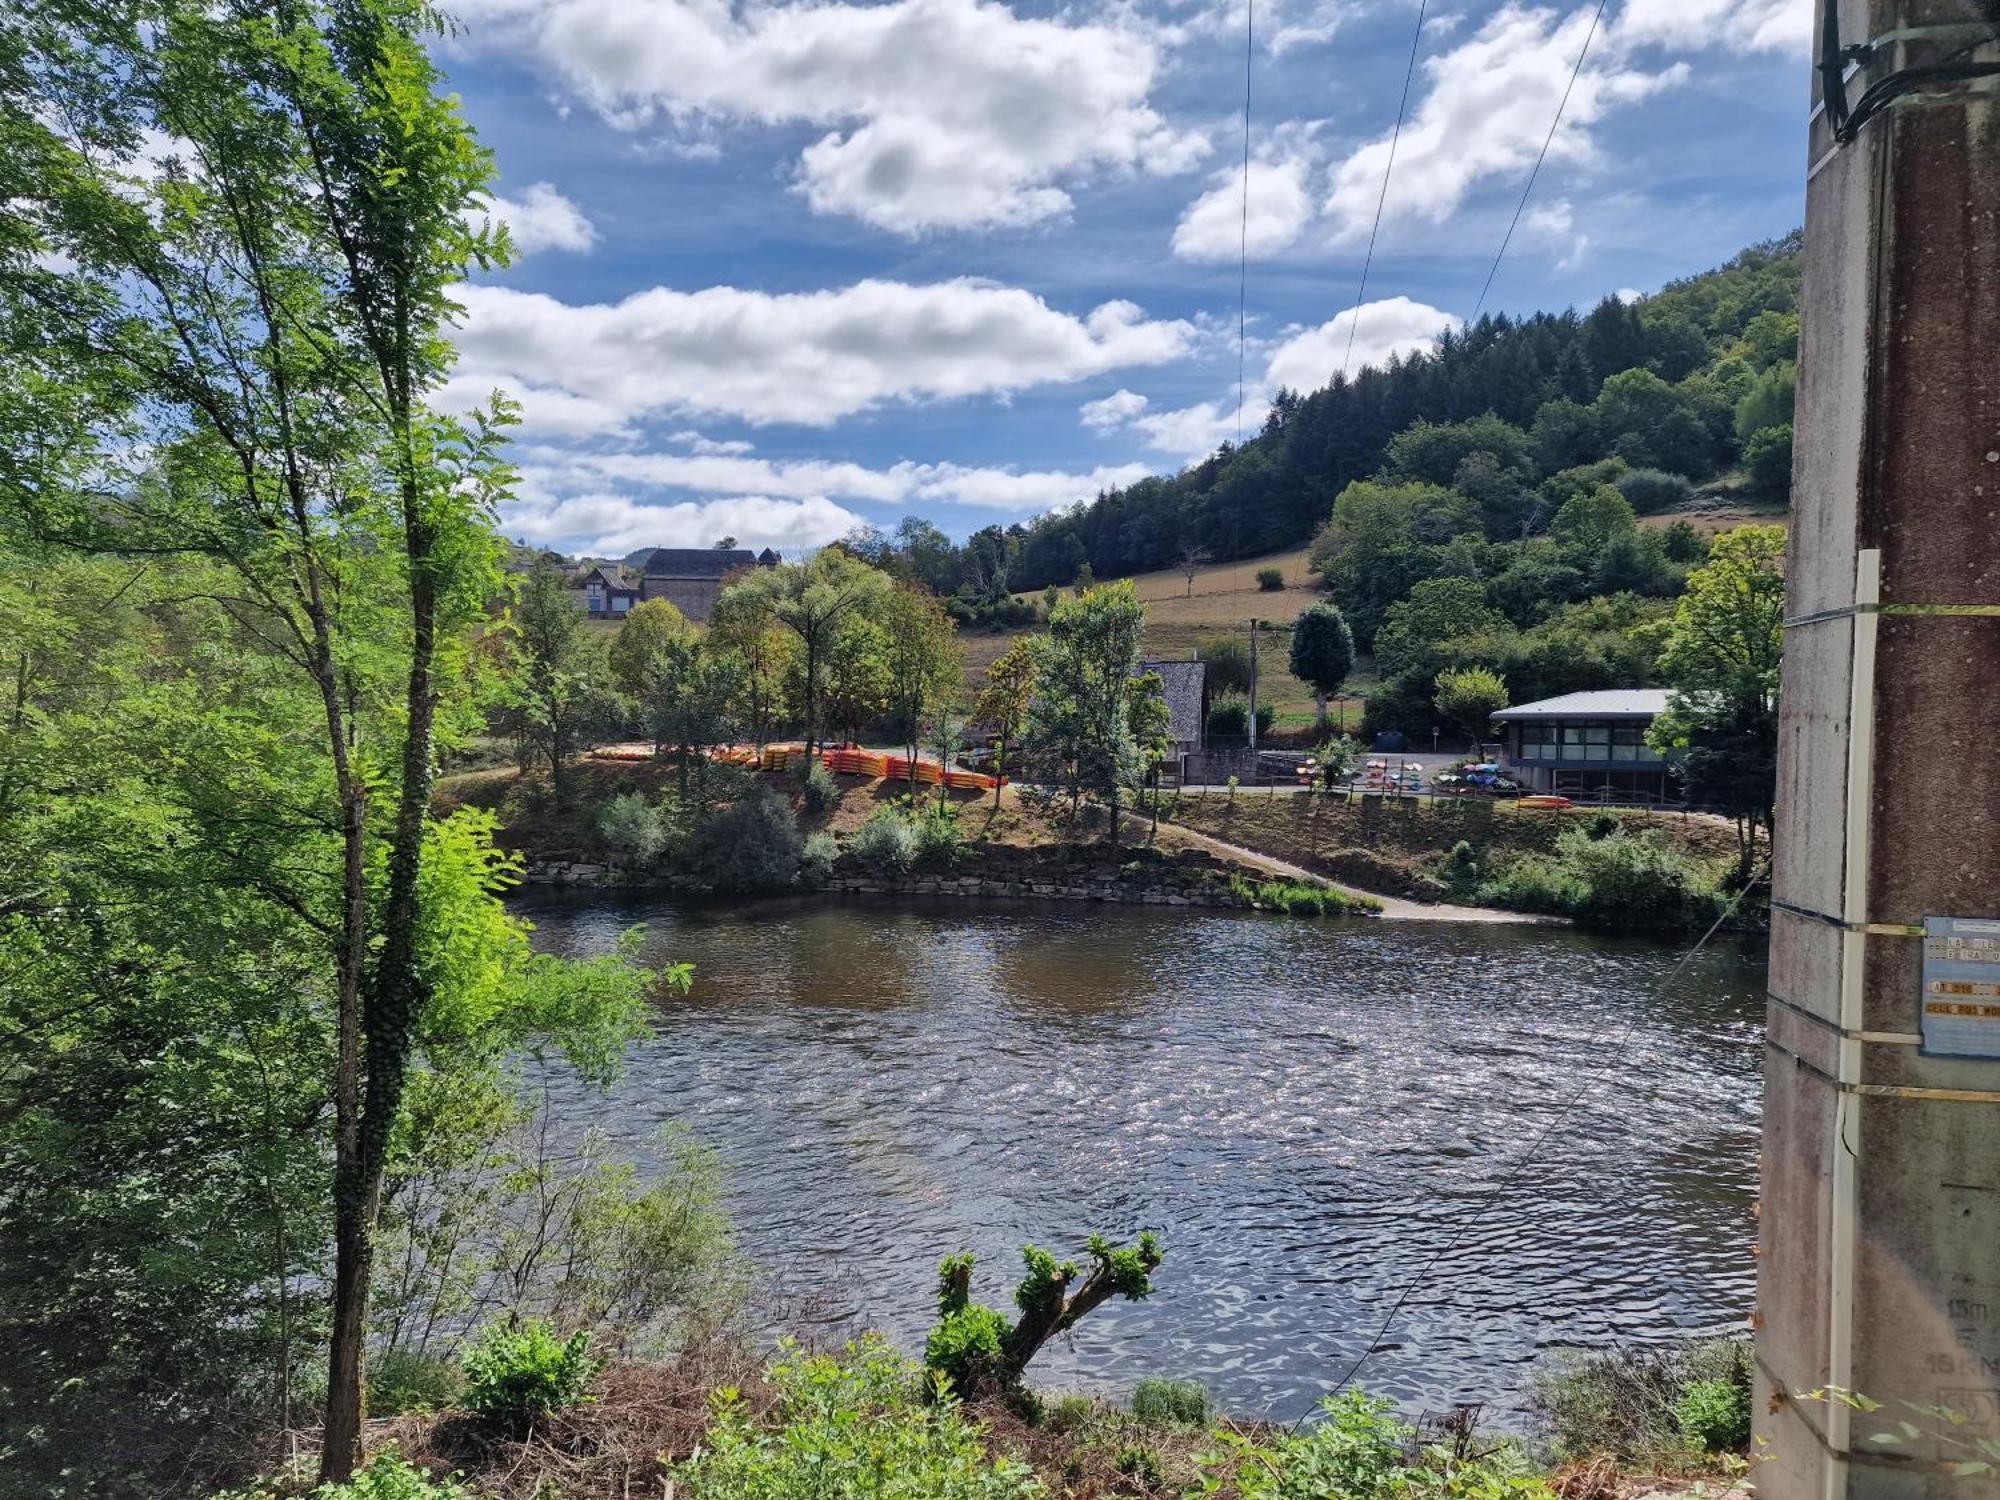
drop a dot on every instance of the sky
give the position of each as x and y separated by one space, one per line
784 269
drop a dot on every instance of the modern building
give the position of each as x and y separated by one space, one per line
689 578
1589 744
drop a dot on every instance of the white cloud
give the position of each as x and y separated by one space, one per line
1555 224
1739 25
549 473
540 219
1486 113
611 525
810 357
1195 431
1281 205
1114 410
937 113
1380 330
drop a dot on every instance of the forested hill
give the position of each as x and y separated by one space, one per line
1690 386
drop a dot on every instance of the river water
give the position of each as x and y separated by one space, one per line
1307 1112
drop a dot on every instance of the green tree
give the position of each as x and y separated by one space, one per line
1379 544
690 691
1722 653
1587 521
1767 460
1467 698
920 652
1437 610
1226 663
1080 721
643 632
1768 402
1004 700
815 602
1322 652
252 324
562 680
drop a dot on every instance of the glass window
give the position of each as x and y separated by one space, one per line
1628 742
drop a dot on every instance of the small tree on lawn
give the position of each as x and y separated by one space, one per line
561 681
649 626
690 692
1322 652
921 654
1191 561
1003 702
1467 699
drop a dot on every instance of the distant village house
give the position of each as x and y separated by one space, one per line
689 578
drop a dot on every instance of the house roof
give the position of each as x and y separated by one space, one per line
696 562
1605 703
1181 682
615 575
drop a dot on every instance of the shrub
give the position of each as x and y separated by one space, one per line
1460 870
1170 1403
1767 460
852 1424
1070 1413
386 1476
1715 1414
751 845
1649 490
816 859
1619 879
886 842
818 790
1360 1450
936 840
634 829
403 1380
1627 1404
1270 580
1230 718
514 1375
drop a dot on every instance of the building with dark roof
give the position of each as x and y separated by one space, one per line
1185 685
1588 743
689 578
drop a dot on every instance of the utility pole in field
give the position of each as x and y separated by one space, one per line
1253 698
1880 1210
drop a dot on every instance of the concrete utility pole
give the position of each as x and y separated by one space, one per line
1253 699
1880 1233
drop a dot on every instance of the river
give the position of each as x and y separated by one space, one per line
1306 1111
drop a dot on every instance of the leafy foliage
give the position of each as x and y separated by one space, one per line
848 1427
1654 1407
1322 651
978 1350
886 842
1616 880
753 844
514 1375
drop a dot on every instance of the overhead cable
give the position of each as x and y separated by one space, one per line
1243 244
1395 136
1547 140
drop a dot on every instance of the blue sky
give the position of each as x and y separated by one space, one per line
787 268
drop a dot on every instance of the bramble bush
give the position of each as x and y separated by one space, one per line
1360 1450
851 1424
514 1375
1669 1407
1619 879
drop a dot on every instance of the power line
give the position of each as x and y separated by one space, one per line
1520 1163
1561 105
1243 249
1395 136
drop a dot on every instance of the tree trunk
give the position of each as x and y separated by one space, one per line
999 770
1319 699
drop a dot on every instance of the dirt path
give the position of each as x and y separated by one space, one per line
1177 835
